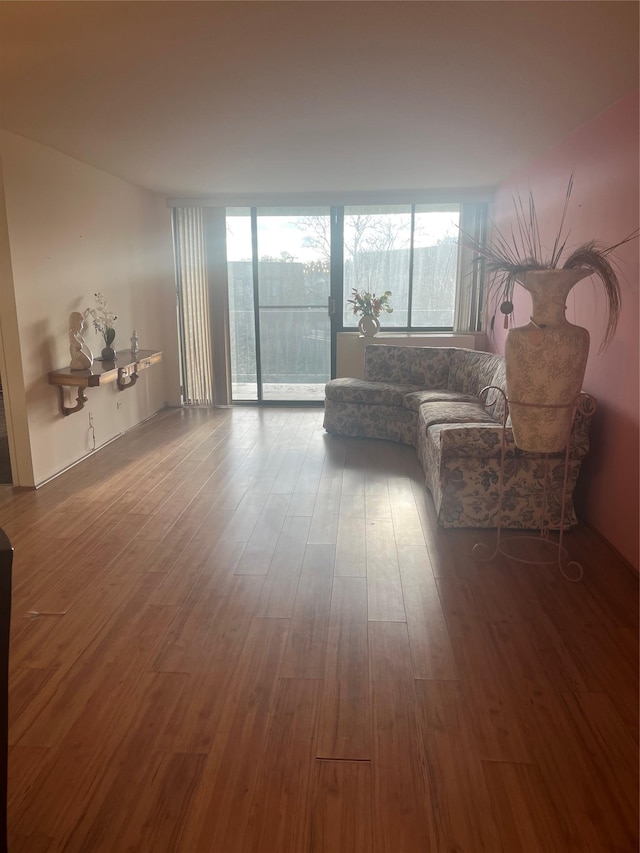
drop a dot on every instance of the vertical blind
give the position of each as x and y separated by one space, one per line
193 306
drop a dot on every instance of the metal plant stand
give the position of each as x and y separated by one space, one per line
571 570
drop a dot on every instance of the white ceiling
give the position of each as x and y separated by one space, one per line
200 98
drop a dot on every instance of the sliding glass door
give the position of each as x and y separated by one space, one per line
279 288
284 264
287 271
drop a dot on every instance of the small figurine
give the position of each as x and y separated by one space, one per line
81 355
134 342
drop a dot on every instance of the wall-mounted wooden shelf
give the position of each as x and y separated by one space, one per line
124 370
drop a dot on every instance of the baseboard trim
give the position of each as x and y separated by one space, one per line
610 545
93 451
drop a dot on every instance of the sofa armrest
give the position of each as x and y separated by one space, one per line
476 440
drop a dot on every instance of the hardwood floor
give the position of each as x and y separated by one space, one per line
234 633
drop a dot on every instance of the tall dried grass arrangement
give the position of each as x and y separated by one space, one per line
511 256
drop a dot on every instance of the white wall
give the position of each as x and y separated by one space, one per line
73 230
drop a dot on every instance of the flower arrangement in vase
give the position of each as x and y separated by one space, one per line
103 322
369 306
546 359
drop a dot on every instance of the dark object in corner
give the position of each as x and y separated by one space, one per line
6 563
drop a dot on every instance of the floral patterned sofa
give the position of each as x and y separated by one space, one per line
429 397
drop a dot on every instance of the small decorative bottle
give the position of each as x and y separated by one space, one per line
134 343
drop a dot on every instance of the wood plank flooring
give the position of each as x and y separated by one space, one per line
233 633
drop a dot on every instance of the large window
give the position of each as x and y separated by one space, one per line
291 271
411 250
259 321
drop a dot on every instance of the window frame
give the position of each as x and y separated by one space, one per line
464 304
474 206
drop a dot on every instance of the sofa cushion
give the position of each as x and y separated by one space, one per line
471 371
415 399
453 413
426 367
371 393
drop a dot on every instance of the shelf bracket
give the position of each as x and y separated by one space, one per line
69 410
122 374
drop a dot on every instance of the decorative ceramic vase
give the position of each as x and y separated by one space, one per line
369 325
108 354
545 363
